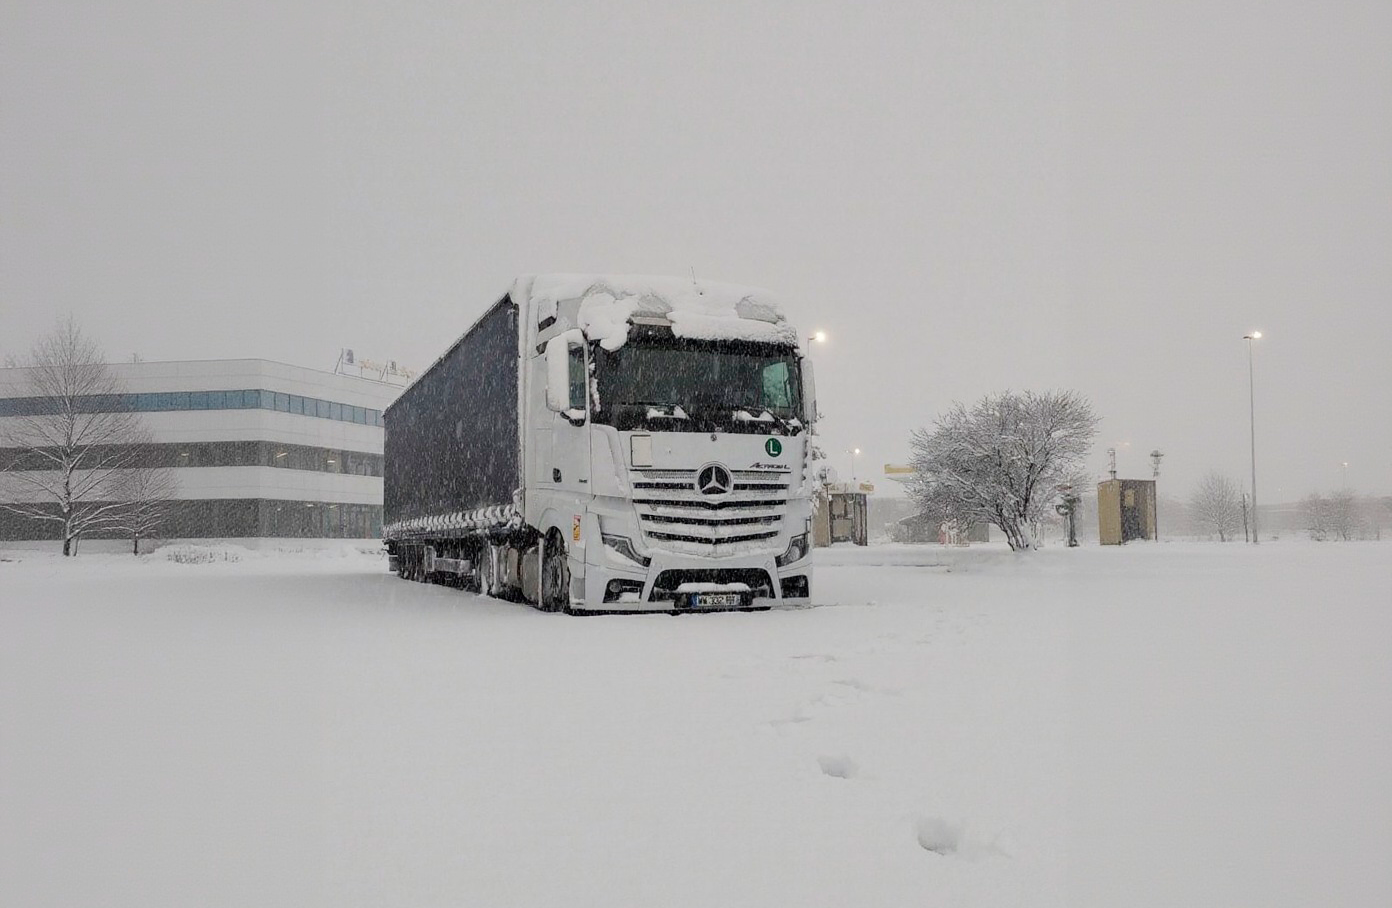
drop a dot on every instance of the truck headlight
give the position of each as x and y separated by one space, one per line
624 546
797 550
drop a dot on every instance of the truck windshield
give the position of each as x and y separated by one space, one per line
699 386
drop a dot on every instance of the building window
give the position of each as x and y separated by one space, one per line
230 454
171 401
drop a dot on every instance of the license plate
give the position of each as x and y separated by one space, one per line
718 600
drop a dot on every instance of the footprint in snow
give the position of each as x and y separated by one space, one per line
951 840
842 693
855 689
838 766
795 719
937 835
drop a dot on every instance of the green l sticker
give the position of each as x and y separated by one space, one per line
773 447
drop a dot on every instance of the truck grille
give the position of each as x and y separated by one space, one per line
674 515
665 586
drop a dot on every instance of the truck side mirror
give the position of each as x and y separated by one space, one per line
809 391
557 374
566 382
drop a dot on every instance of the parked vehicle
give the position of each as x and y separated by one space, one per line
610 444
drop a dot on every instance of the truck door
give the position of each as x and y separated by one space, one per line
570 435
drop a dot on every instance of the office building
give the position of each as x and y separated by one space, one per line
258 448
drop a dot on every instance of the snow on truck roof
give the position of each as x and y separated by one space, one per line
603 306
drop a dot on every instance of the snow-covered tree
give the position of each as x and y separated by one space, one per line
1336 516
1344 515
1002 461
64 455
1315 508
1216 505
147 495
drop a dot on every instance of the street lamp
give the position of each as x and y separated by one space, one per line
1155 457
1346 476
854 452
818 337
1252 421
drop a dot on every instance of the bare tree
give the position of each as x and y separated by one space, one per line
1216 505
147 496
1344 514
71 439
1003 461
1318 517
1337 516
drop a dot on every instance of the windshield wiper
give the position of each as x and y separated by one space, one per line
747 414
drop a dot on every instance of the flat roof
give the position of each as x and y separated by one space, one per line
223 374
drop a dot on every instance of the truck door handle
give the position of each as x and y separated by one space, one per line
555 474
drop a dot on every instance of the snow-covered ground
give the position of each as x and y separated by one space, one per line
1172 724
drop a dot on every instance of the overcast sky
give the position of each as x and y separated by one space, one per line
966 197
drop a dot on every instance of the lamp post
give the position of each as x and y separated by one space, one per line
814 415
854 452
1252 422
1155 478
1345 467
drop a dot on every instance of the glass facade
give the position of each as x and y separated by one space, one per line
165 401
222 454
233 518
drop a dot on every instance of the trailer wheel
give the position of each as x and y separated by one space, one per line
486 569
555 576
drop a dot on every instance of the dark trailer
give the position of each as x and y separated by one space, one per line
452 440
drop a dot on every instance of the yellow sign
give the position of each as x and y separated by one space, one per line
575 528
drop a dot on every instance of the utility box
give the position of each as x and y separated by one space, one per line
1125 510
841 514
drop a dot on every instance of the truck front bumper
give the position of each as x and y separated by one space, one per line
620 586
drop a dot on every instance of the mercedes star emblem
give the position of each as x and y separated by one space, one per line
714 480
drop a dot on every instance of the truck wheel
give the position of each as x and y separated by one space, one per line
487 570
555 576
474 581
